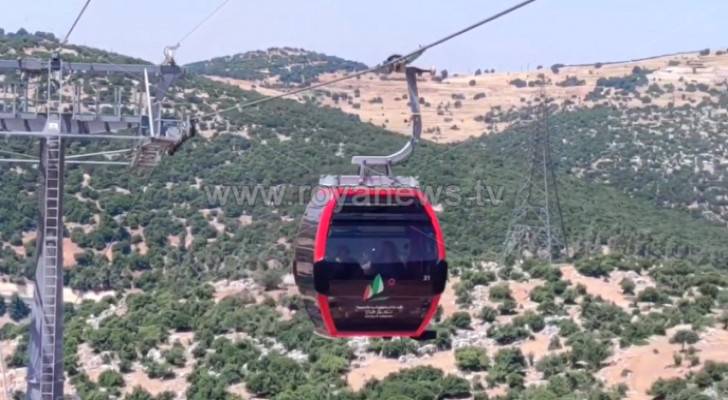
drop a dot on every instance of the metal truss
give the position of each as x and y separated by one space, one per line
55 122
537 227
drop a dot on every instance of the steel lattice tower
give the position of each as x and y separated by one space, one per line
537 225
55 123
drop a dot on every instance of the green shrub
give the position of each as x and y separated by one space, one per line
471 358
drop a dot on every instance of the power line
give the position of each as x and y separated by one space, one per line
471 27
78 18
210 15
389 63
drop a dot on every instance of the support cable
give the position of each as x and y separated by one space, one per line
196 27
386 65
75 22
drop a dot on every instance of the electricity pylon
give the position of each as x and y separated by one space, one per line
537 227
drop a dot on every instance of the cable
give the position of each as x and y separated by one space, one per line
100 153
15 153
471 27
78 18
380 66
210 15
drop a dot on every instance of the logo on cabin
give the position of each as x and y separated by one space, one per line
373 289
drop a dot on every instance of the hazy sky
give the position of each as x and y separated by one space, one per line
547 32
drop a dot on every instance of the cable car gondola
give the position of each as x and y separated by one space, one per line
370 256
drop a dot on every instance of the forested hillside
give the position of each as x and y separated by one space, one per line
278 67
654 128
200 306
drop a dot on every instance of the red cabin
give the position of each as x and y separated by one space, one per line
370 261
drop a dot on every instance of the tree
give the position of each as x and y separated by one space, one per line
685 336
519 83
507 334
551 364
586 348
175 355
419 383
627 285
393 348
454 387
506 365
331 365
665 388
598 266
677 359
508 307
534 321
471 358
652 295
269 279
3 306
488 314
139 394
539 294
110 379
18 308
443 338
567 327
554 343
461 320
273 374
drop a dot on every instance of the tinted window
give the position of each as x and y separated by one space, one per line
394 246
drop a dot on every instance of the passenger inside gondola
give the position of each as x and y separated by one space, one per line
343 255
388 263
344 265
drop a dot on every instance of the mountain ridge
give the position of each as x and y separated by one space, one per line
279 66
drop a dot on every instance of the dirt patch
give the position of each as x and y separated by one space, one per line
19 250
217 225
25 289
521 292
236 288
186 339
11 380
91 363
8 288
70 250
93 296
109 253
539 346
608 289
447 300
178 384
174 240
141 248
640 366
189 238
240 390
86 228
